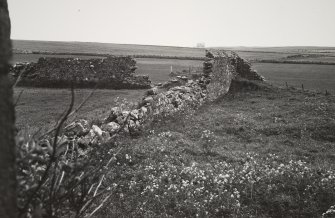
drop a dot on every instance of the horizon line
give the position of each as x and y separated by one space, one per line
178 46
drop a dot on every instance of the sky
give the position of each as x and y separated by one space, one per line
177 22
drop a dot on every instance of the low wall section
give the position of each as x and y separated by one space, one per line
111 72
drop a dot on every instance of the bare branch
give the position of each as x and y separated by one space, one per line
98 186
102 203
18 98
52 158
72 113
19 77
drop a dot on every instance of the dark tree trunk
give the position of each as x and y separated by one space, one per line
8 207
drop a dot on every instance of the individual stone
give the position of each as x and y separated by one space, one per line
111 127
208 64
125 114
105 136
134 68
176 88
131 124
152 91
144 110
182 89
190 82
97 131
84 142
114 113
87 140
77 128
120 120
209 54
134 127
148 100
134 114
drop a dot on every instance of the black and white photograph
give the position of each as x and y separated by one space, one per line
167 108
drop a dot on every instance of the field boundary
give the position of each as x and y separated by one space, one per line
108 54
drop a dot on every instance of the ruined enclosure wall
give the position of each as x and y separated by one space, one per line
244 69
112 72
218 73
220 77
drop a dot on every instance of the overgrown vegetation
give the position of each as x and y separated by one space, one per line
257 152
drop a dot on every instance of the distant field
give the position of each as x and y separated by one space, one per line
251 53
312 54
317 77
284 49
35 57
328 59
262 55
158 70
40 107
106 48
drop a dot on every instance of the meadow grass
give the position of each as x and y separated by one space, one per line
35 57
39 107
265 153
106 48
158 70
317 77
255 153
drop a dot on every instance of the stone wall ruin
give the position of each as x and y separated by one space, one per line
112 72
218 73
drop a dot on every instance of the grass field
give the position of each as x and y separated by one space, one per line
158 70
316 77
38 107
311 54
43 105
265 153
262 55
106 48
35 57
325 58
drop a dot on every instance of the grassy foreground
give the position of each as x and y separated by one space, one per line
266 152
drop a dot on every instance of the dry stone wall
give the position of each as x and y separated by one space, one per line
244 69
112 72
219 76
218 73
